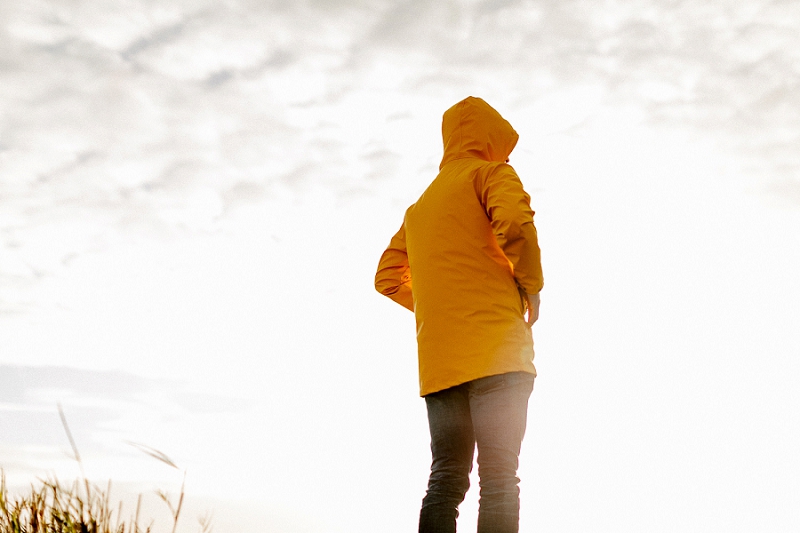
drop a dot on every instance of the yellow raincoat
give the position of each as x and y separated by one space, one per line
465 253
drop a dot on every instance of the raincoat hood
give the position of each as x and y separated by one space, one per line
473 128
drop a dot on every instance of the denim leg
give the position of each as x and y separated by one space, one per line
452 448
499 408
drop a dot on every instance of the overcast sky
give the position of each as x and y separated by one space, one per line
194 196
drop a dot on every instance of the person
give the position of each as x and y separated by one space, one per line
466 261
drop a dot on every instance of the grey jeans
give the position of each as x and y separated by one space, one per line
490 412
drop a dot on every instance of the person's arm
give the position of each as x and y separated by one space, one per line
393 278
509 210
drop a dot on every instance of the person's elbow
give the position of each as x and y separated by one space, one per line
385 286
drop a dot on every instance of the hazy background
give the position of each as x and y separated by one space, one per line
194 196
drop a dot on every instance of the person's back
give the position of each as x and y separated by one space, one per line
466 261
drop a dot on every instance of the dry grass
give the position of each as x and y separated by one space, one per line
51 507
55 508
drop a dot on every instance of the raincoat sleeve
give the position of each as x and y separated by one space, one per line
393 278
508 207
